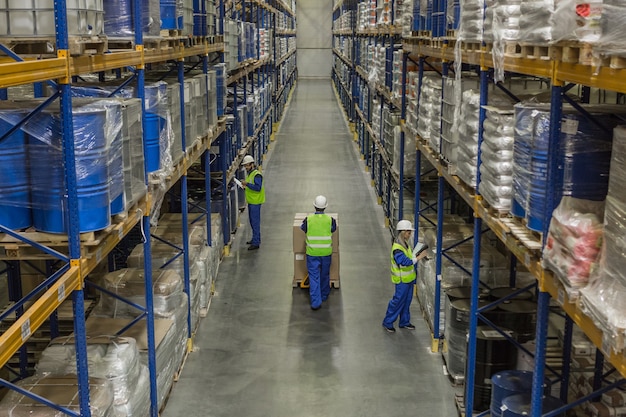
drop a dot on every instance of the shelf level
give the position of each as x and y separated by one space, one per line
31 71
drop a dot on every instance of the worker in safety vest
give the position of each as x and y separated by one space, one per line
255 196
319 228
403 276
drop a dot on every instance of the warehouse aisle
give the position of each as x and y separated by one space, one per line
261 351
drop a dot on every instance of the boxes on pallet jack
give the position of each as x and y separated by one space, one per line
299 250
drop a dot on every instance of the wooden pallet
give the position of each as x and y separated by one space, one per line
77 45
532 240
573 52
171 33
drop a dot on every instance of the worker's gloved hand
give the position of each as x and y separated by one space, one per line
415 260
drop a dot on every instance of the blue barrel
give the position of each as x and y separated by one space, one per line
119 18
507 383
199 18
91 147
169 17
518 405
15 211
155 123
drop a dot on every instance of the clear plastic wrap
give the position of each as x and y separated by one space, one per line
109 357
574 240
544 22
613 29
139 404
97 146
61 390
617 173
604 300
129 283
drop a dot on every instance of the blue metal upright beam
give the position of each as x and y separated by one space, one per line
475 289
567 356
543 312
145 226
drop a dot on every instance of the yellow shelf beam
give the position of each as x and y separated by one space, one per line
28 72
21 330
31 71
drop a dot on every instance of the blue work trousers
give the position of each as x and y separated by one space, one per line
319 278
400 305
254 214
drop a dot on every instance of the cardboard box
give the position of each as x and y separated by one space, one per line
299 237
300 271
615 398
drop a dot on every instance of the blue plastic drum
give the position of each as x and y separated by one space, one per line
92 170
518 405
155 124
507 383
15 211
169 18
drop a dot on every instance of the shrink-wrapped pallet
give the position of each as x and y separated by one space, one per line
60 390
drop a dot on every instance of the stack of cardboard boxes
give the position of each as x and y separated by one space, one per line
299 251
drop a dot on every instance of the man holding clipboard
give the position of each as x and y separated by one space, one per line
403 260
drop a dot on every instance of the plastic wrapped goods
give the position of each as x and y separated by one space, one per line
604 300
574 240
109 357
61 390
583 159
496 168
129 283
613 28
98 158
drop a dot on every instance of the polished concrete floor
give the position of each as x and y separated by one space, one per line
261 351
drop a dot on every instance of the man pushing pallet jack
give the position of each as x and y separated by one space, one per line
316 252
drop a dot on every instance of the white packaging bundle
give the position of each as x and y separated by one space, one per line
468 138
109 357
496 168
62 391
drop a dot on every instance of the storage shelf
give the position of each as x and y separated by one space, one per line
33 317
28 72
345 32
286 32
602 77
381 90
386 30
284 58
245 69
343 85
381 149
343 58
31 71
548 282
282 89
531 259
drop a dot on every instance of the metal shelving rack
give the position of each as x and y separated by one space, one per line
249 75
549 286
418 49
69 280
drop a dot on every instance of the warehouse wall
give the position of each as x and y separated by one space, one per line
315 38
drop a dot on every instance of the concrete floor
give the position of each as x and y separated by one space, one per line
261 351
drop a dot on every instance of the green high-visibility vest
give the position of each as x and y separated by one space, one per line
255 197
319 240
399 273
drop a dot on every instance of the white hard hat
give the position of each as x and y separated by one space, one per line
247 160
320 202
404 225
